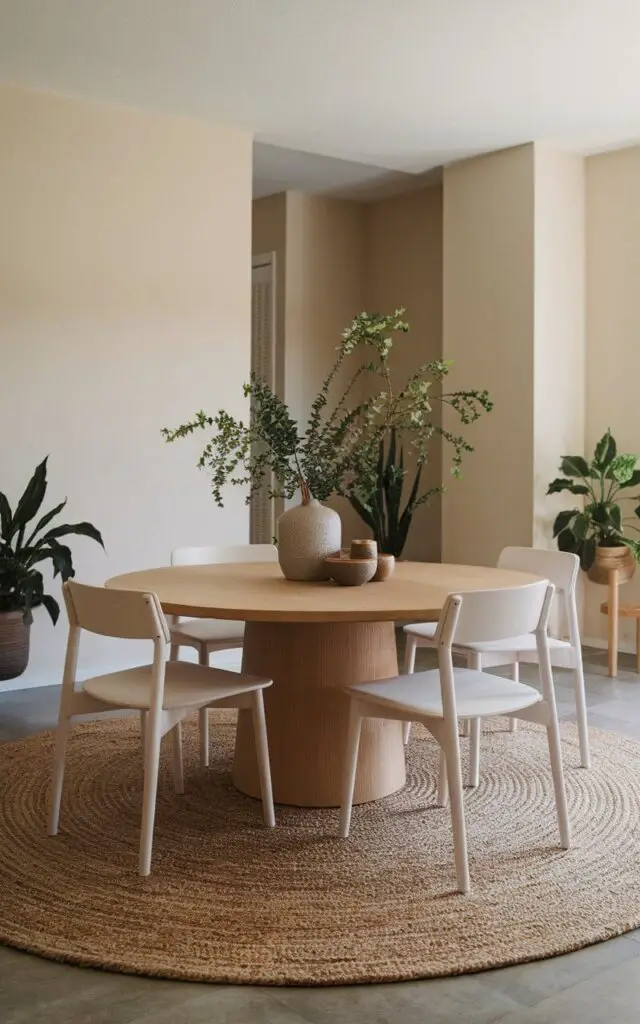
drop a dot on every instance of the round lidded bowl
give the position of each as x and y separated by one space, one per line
351 572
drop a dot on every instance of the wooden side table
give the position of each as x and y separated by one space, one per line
615 611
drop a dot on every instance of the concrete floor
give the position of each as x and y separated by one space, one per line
596 985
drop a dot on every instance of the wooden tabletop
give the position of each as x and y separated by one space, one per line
258 592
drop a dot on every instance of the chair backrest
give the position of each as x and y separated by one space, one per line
487 615
484 615
559 567
225 553
127 614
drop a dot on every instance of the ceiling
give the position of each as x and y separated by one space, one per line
362 93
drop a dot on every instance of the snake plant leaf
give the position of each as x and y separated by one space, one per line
364 511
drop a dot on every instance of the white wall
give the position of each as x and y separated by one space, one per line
124 307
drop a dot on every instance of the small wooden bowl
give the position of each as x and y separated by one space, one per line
364 549
351 572
386 566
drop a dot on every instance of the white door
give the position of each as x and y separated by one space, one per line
263 363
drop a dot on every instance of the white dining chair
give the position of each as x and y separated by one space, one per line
163 692
562 569
440 697
209 636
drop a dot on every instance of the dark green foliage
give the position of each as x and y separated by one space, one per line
22 549
382 510
600 523
340 449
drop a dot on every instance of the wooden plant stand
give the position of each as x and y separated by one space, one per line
615 611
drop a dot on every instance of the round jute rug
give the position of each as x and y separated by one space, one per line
231 901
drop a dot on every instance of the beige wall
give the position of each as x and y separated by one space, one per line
488 302
404 268
325 288
124 307
613 333
335 258
269 235
559 320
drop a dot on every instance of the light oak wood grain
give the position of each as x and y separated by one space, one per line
258 592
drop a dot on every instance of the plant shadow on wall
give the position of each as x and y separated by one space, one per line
351 445
596 532
24 547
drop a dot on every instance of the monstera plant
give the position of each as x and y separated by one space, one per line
24 548
597 530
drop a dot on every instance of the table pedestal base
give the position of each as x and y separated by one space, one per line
307 713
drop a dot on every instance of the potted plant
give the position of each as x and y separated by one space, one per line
596 532
338 450
23 549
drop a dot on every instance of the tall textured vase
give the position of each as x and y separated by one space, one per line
308 533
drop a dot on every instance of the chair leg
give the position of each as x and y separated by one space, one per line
203 658
409 668
474 752
555 754
62 736
442 799
262 751
178 767
149 794
143 731
349 769
465 727
474 662
581 712
515 675
454 774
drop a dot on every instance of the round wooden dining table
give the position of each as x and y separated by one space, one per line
312 640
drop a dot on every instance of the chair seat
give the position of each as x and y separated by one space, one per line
207 631
425 630
478 694
186 685
517 645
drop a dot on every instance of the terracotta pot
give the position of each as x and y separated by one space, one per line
620 558
307 534
14 644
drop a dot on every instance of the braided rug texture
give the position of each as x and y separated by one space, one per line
231 901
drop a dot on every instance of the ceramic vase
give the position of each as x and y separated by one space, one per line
308 533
